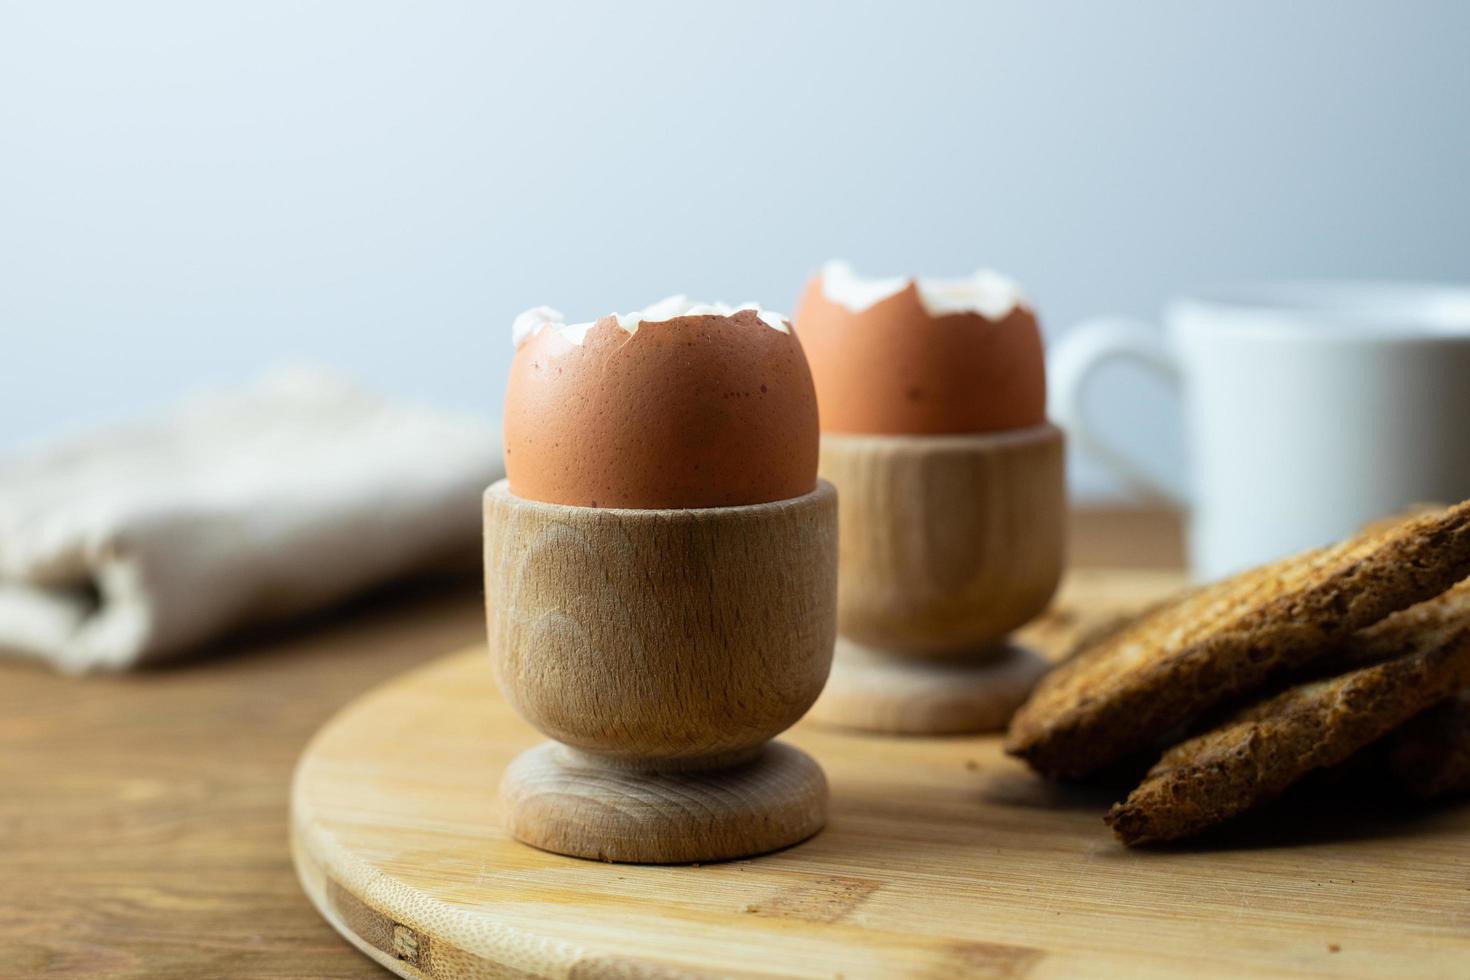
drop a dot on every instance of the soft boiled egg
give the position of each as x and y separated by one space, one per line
678 405
922 356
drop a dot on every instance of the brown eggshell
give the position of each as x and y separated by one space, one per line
893 369
696 411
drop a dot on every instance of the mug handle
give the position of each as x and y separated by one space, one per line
1071 364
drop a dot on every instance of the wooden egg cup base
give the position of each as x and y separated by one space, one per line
878 691
570 802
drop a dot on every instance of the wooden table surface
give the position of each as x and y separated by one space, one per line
143 825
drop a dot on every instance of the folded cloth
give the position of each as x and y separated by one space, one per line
145 542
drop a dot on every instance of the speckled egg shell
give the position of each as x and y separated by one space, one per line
696 411
894 369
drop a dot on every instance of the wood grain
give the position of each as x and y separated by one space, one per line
947 545
942 858
144 817
662 650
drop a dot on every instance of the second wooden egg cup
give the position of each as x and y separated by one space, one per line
948 544
661 650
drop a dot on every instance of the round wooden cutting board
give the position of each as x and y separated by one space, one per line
942 858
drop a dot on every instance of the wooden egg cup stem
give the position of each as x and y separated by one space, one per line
661 650
948 544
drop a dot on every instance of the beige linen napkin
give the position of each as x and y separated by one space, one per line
142 543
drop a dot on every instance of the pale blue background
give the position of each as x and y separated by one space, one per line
191 192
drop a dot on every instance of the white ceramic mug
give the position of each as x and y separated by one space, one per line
1309 409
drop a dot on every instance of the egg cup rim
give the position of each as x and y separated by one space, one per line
996 439
821 492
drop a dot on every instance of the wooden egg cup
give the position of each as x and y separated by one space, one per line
948 544
661 650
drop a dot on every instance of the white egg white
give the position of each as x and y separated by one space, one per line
987 292
539 318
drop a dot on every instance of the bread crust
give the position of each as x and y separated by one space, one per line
1430 756
1122 694
1400 667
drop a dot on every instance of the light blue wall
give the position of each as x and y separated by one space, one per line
190 192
